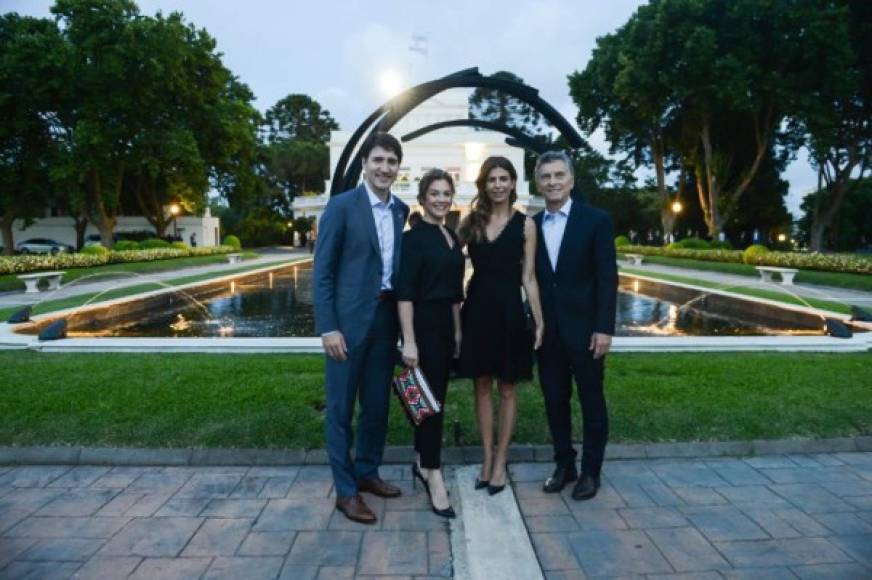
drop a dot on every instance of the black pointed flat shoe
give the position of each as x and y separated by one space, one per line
495 489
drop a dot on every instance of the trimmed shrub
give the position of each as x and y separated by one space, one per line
622 241
94 250
690 244
232 241
125 246
752 253
153 244
179 245
719 245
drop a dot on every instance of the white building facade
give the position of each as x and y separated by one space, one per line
458 150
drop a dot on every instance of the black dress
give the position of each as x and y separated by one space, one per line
431 277
496 342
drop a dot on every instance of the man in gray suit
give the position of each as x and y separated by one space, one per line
356 259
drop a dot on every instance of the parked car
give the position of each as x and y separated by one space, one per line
93 240
42 246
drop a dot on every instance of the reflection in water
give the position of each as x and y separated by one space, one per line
279 304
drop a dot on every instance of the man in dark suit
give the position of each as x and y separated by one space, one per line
577 274
356 259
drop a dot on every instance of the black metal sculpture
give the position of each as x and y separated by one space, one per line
347 171
516 137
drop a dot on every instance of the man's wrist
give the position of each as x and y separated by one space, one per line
329 333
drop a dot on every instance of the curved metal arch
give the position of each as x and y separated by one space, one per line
386 116
517 138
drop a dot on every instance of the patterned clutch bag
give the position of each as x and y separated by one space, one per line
414 393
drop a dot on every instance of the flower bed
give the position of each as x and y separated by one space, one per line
36 263
803 261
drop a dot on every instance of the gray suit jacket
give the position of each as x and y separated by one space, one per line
348 264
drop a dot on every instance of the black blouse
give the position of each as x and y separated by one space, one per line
429 269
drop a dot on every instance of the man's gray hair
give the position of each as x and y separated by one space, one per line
555 155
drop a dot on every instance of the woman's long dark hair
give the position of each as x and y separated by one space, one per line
473 225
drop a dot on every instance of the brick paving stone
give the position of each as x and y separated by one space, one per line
218 537
770 462
11 517
687 550
315 473
782 573
724 523
844 524
737 472
52 527
552 523
119 504
849 488
688 474
294 514
833 572
77 502
148 505
80 476
412 498
544 505
753 496
249 487
39 570
439 548
171 569
790 552
804 524
33 476
612 553
606 497
153 537
632 494
653 517
699 495
859 547
214 485
686 576
528 490
863 502
394 553
803 460
183 507
565 574
828 459
662 495
290 572
263 568
276 487
267 544
811 498
603 519
122 476
234 508
771 523
554 551
413 521
28 499
62 550
538 472
316 488
810 475
162 481
107 569
327 548
289 472
10 548
337 573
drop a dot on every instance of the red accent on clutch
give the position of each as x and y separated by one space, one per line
415 395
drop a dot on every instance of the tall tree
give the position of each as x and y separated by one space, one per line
31 75
299 117
499 107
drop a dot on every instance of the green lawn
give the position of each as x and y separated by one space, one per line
79 300
755 292
277 401
835 279
9 282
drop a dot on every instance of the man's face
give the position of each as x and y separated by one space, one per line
380 168
554 182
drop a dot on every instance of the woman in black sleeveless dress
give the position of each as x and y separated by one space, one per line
429 293
497 344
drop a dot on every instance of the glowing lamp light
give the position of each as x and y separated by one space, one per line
390 83
677 207
175 209
782 237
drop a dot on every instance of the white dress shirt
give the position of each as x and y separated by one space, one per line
383 214
553 227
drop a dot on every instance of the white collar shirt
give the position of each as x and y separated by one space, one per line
382 214
553 228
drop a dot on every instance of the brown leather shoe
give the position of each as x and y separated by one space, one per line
355 509
378 486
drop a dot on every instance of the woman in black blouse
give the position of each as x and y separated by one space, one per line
429 293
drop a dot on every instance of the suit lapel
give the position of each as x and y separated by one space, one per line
366 215
572 223
541 247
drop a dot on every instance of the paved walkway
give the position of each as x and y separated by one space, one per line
796 516
269 256
830 293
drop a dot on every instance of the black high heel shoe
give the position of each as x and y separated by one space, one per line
495 489
481 484
447 512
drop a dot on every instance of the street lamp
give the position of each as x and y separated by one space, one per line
174 211
676 206
782 237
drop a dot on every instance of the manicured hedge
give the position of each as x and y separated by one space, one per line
36 263
804 261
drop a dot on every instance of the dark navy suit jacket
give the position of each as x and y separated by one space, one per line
348 264
580 296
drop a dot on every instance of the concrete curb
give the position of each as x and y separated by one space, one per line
402 455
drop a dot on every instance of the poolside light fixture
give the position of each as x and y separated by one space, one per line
54 331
